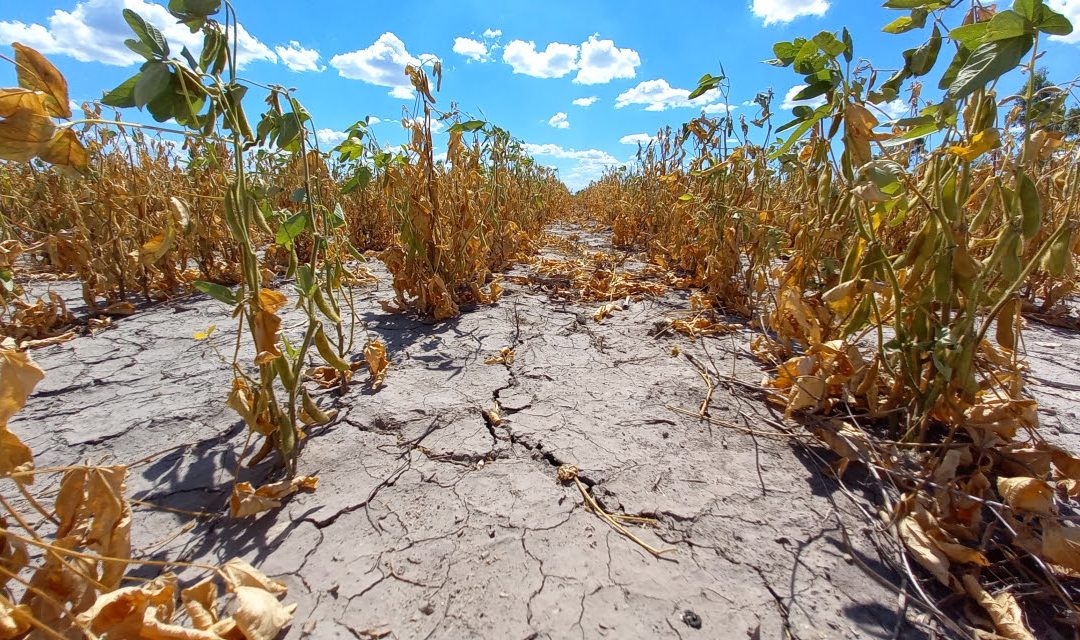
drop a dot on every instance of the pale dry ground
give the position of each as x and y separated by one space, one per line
429 523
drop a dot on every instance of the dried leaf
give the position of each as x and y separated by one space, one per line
923 549
1026 494
38 74
18 377
1003 610
238 573
200 602
259 615
247 501
377 362
14 619
64 149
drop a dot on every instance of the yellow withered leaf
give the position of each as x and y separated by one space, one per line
156 626
267 332
923 549
272 301
1003 610
979 144
248 501
1061 546
259 615
38 74
119 613
155 248
239 573
1026 494
605 310
14 619
18 377
14 456
65 149
200 602
25 127
203 335
375 356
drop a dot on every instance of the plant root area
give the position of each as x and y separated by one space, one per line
440 512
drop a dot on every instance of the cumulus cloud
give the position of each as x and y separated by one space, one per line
555 61
658 95
584 166
559 121
790 102
773 11
471 49
596 61
1071 10
382 64
637 138
719 107
492 33
330 137
601 62
297 58
585 102
95 30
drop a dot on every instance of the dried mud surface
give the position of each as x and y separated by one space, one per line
430 522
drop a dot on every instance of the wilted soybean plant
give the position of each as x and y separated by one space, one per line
205 96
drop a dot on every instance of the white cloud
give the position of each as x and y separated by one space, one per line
719 107
601 62
373 120
472 49
1071 10
787 10
492 33
637 138
559 121
588 164
330 137
297 58
790 102
383 64
596 61
892 110
585 102
658 95
555 61
95 30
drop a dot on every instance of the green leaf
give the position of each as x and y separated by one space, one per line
215 291
468 126
288 129
922 60
989 62
337 216
903 24
122 97
686 197
291 229
153 82
147 33
801 130
1055 24
1027 8
305 280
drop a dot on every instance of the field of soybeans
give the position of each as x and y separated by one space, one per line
787 374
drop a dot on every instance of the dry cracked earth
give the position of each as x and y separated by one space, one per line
430 522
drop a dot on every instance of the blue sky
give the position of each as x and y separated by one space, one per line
579 82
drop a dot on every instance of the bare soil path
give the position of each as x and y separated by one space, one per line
432 521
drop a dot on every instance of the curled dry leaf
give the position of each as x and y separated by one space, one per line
1026 494
1003 610
259 615
18 377
505 356
377 362
247 501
